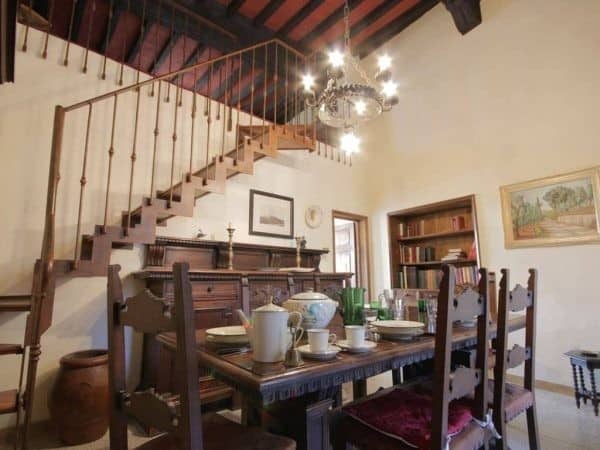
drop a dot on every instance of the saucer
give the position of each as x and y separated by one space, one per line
367 347
328 354
402 337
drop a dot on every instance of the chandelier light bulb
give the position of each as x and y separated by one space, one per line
360 107
389 89
350 143
336 58
384 62
308 80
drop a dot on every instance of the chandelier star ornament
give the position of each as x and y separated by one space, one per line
346 103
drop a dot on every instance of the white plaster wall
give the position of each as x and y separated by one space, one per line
515 99
26 114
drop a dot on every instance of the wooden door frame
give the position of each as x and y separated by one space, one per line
363 259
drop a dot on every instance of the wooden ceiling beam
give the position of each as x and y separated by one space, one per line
233 7
299 17
326 24
372 17
165 52
270 9
80 7
137 46
466 13
111 25
395 27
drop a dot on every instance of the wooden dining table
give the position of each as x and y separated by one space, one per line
263 385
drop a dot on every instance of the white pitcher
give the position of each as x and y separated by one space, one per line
269 334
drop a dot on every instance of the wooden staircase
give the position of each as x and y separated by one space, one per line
139 227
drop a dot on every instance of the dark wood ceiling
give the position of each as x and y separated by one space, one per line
161 35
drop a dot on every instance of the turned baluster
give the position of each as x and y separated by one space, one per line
26 37
174 139
286 86
111 11
133 158
123 48
193 116
171 44
47 34
156 44
262 138
224 107
295 120
89 34
111 152
69 36
313 110
185 31
155 146
141 42
208 122
82 183
275 80
252 88
239 107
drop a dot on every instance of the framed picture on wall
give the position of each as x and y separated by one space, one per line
271 215
556 210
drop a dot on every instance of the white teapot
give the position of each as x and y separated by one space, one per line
268 332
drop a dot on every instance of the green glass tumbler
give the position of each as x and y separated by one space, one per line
353 302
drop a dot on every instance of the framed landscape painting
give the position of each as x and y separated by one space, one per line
557 210
271 215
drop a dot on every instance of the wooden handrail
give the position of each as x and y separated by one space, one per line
175 73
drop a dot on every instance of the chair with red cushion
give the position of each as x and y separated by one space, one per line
448 411
177 416
510 400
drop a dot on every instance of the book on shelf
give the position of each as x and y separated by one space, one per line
454 254
416 254
458 223
414 278
467 275
411 229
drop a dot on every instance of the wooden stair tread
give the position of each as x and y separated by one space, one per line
8 401
15 303
11 349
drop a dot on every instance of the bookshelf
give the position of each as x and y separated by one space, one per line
421 236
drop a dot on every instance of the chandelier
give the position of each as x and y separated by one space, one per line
351 97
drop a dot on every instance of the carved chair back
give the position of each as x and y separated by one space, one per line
515 300
146 313
448 385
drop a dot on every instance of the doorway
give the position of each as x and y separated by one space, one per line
351 247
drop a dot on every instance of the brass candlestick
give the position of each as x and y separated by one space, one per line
230 231
299 240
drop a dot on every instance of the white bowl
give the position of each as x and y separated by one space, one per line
317 309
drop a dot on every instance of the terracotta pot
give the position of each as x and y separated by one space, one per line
78 401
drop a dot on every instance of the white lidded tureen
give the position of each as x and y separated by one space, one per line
317 309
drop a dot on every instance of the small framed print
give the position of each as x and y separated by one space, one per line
271 215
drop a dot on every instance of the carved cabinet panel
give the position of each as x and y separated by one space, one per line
261 290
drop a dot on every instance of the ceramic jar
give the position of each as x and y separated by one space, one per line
79 401
317 309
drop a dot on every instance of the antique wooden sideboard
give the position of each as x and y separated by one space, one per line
217 292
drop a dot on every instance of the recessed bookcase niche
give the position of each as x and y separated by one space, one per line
425 237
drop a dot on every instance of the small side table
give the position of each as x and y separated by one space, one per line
580 360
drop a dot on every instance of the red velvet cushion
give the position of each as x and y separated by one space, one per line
406 415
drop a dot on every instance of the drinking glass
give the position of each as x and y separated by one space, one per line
431 304
353 302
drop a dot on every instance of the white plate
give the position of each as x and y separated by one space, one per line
235 334
367 347
398 326
328 354
402 337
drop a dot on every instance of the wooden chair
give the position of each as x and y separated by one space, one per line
435 413
510 400
177 416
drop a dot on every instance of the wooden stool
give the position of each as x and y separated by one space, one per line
580 360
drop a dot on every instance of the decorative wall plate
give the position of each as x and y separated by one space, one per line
314 216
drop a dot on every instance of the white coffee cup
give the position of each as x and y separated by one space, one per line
319 339
355 335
